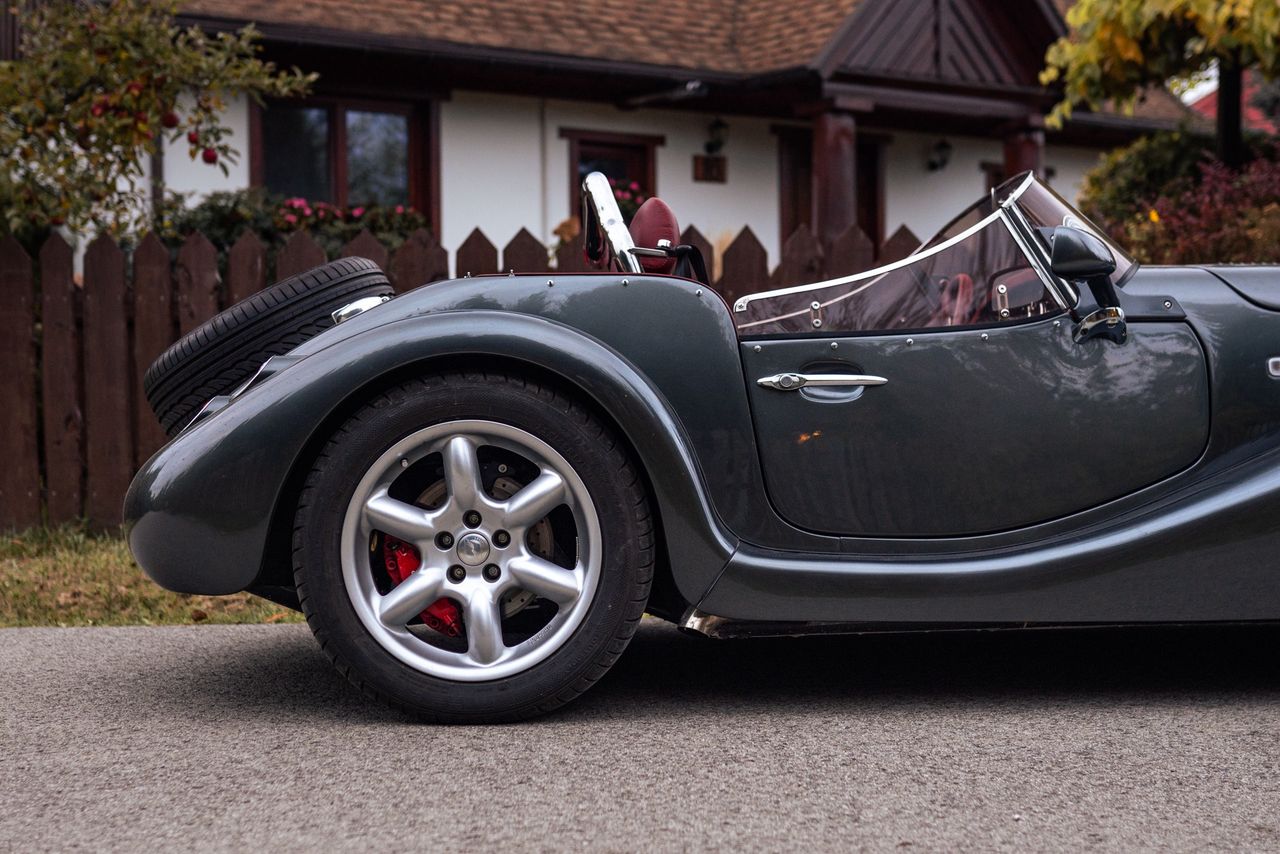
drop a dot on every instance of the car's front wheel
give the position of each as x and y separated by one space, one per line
473 548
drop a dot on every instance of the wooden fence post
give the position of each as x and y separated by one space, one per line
61 383
152 333
20 470
365 245
693 237
525 254
476 256
851 252
902 244
801 261
109 439
246 267
299 254
569 257
745 267
197 282
418 261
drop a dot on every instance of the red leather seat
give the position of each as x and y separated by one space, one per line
655 221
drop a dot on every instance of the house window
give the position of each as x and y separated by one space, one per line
626 158
345 152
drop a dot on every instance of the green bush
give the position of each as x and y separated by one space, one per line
1129 180
223 217
1168 200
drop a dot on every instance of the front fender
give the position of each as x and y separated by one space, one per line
199 512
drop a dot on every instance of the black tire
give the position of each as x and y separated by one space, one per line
226 350
618 497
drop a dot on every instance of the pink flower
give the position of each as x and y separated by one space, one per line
635 186
357 212
306 211
296 202
624 195
399 209
291 219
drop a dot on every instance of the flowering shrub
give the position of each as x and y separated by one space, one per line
1128 180
1227 217
222 217
333 226
630 197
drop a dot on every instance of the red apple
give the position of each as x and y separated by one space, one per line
209 155
193 138
169 119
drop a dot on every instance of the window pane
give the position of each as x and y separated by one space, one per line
377 158
983 279
621 162
295 143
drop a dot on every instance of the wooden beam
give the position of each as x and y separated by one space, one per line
835 202
1024 152
938 103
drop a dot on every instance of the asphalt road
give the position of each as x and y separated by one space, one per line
242 737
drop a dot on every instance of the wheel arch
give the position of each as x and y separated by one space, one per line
275 580
693 544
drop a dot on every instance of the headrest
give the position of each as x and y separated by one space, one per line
655 221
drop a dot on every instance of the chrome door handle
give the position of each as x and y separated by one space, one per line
794 382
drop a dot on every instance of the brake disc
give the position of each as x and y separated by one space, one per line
540 538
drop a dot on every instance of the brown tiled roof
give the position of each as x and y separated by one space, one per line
716 35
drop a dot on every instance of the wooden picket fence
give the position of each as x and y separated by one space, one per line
74 423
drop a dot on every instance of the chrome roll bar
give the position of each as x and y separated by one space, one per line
602 224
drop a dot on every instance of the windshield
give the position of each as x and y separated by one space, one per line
1042 208
980 276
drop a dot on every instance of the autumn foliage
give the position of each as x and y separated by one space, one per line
97 87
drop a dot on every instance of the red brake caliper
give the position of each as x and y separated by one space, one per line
401 560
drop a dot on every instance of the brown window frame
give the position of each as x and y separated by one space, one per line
424 146
578 136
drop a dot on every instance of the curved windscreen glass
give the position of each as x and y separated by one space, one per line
978 276
1042 208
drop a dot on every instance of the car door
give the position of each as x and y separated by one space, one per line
947 397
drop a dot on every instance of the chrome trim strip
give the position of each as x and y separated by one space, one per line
357 307
1062 291
1025 245
743 302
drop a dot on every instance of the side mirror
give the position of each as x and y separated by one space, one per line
1078 256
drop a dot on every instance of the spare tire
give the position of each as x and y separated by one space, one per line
217 356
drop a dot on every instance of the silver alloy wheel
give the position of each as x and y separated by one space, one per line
386 616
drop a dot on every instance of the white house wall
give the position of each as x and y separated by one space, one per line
505 166
925 201
1069 165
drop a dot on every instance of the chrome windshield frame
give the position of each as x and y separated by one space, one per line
1000 213
1025 235
1007 211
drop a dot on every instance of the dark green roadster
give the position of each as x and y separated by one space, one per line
475 490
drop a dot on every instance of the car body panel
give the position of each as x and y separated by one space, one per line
1260 285
661 358
976 430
